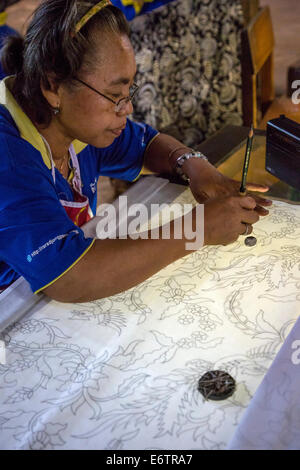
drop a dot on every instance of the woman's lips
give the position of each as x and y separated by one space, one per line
117 132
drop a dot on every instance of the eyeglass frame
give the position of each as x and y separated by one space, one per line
116 103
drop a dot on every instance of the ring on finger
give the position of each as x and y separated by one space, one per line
247 230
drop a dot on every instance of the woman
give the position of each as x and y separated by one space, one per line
63 122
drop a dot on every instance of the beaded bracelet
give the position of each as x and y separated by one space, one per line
183 158
176 149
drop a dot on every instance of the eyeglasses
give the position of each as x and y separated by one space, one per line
119 105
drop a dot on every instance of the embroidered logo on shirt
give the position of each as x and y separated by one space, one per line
93 186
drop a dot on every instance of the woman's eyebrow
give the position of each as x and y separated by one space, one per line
120 81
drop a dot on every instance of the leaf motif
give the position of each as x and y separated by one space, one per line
93 404
128 386
44 367
216 419
168 355
213 343
208 444
241 396
58 333
264 325
214 317
142 318
266 336
18 419
77 404
162 339
172 311
293 297
131 348
20 395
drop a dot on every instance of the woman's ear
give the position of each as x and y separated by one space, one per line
51 92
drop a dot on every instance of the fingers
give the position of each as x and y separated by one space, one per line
256 203
249 217
261 211
261 188
247 202
260 202
246 229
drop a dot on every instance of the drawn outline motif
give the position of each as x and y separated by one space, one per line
108 373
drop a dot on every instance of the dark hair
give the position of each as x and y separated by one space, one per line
50 48
6 3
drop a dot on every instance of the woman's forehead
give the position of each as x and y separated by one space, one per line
116 64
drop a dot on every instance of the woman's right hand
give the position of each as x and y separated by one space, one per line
225 219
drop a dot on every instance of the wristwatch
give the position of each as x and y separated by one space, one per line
180 161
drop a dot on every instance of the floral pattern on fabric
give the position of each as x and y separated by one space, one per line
121 373
189 72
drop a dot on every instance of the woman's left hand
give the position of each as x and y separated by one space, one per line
207 183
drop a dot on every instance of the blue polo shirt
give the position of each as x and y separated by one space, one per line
37 238
132 8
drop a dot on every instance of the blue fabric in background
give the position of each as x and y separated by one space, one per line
130 12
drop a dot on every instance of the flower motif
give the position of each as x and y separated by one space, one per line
186 319
87 374
226 64
233 119
40 440
185 343
144 60
188 44
207 325
199 336
168 60
46 436
147 95
188 78
188 106
228 93
209 47
28 326
83 373
174 292
198 310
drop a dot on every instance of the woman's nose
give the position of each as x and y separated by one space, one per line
127 108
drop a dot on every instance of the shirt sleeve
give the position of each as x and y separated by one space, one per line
124 158
37 238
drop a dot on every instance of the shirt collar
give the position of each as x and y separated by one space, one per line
3 18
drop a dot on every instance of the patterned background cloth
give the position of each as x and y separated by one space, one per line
188 57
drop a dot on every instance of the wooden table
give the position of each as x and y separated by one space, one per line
226 150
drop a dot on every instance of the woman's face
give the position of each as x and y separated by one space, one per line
89 117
